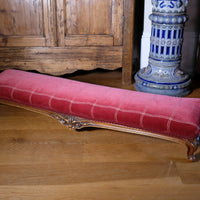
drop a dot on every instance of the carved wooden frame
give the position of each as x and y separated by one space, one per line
74 122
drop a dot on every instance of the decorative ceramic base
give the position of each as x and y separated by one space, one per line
166 82
163 74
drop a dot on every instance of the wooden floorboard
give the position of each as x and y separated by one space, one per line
42 159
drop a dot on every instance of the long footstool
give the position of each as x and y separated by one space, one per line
78 105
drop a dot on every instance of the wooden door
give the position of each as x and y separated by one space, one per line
27 23
62 36
99 33
90 22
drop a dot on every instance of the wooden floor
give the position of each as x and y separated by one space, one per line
41 160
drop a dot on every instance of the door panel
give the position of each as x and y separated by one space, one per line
24 23
88 17
90 22
16 18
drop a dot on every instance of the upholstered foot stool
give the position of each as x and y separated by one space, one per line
77 105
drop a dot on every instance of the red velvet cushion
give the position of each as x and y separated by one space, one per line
173 116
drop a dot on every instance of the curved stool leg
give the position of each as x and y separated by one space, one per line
192 147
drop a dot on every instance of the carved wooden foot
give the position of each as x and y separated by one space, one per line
192 147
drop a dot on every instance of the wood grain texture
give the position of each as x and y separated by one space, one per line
17 18
129 7
89 40
49 10
88 17
41 159
19 41
92 23
125 189
117 21
26 24
64 24
59 61
61 25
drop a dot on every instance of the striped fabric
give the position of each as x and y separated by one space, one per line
171 116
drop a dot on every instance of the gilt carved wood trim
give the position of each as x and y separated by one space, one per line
72 122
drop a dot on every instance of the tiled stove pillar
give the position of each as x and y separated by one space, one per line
162 75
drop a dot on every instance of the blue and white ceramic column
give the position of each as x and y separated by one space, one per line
163 74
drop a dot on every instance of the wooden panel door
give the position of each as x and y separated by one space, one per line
27 23
63 36
90 22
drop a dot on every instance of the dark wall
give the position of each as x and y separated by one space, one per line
191 39
138 29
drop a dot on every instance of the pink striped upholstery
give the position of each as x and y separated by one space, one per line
172 116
